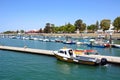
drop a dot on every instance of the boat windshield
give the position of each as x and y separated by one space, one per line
70 52
62 52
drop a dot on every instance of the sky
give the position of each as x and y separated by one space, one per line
34 14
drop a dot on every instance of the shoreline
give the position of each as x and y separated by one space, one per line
94 35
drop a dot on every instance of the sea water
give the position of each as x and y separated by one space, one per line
24 66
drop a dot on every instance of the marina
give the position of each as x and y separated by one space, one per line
59 40
15 54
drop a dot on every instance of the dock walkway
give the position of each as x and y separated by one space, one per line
110 59
27 50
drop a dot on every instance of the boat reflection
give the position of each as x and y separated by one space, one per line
65 68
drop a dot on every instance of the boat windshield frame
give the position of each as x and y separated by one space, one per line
70 52
62 52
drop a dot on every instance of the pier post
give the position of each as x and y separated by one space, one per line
110 40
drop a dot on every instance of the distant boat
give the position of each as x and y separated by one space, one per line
58 40
35 39
116 45
13 37
69 42
98 44
78 43
46 40
81 43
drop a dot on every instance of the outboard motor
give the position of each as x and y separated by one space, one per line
103 61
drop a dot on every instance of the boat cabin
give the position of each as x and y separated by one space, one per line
66 53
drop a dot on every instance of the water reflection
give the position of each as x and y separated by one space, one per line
63 68
72 68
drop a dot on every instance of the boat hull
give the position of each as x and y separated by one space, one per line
98 46
116 46
68 43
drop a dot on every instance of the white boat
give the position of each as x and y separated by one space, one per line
81 43
46 40
98 44
35 39
69 42
116 45
68 55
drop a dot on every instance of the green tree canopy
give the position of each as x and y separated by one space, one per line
47 28
52 28
80 25
105 24
9 32
70 28
116 23
92 27
40 30
22 31
83 27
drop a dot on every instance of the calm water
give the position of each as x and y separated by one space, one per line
24 66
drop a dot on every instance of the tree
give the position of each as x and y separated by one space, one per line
47 28
70 28
83 26
56 29
78 24
97 25
63 29
40 31
52 28
116 23
105 24
22 31
9 32
17 31
92 27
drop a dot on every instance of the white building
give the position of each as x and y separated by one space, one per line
110 30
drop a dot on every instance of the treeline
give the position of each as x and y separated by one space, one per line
81 26
78 25
14 32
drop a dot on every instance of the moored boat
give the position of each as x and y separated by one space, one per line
116 45
98 44
68 55
69 42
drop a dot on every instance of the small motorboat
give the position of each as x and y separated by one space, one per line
69 42
69 55
98 44
116 45
58 40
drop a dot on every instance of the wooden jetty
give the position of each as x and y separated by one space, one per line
110 59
